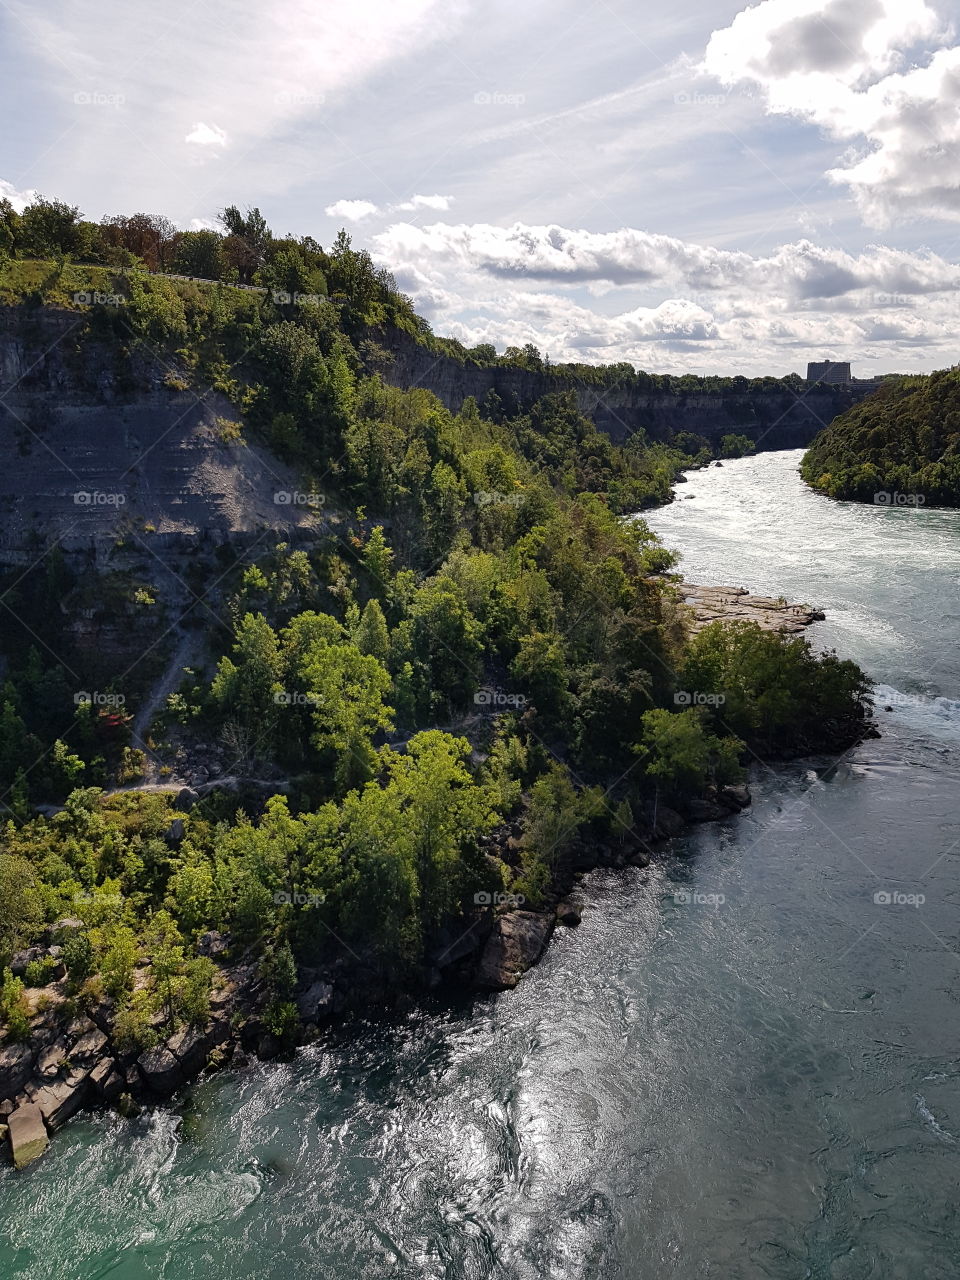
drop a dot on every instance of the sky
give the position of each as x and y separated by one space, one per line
701 187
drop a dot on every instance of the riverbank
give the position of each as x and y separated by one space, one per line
70 1063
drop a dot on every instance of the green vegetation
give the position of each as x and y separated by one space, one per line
900 445
486 641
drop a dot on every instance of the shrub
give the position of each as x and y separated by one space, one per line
39 972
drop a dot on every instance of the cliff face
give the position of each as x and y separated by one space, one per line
103 442
774 419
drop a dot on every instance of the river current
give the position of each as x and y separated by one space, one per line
743 1064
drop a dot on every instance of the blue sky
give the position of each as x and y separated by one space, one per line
704 188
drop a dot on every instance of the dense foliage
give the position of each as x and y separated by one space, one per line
476 638
900 445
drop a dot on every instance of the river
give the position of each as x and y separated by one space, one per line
742 1064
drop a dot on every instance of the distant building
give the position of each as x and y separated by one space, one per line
829 371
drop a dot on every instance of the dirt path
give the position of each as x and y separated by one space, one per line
189 649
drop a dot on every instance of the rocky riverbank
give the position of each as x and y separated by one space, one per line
74 1059
735 604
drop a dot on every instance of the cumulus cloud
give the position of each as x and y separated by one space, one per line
19 199
439 204
355 210
206 135
629 256
701 307
351 210
864 72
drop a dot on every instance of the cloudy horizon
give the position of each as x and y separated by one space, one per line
720 190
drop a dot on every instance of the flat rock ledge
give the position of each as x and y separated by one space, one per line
735 604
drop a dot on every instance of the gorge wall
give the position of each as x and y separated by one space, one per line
775 418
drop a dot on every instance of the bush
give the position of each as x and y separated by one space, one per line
78 956
14 1008
132 1027
39 972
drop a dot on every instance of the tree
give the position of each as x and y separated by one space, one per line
682 756
372 636
21 906
247 686
246 243
200 254
49 228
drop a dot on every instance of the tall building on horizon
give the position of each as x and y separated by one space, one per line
830 371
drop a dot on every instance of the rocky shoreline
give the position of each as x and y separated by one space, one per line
735 604
72 1062
68 1064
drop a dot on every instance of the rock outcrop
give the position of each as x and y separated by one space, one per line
735 604
516 943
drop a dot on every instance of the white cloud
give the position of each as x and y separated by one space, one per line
351 210
440 204
861 70
19 199
632 257
205 135
700 307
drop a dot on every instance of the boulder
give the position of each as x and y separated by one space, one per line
192 1045
705 811
28 1134
316 1003
107 1080
174 833
16 1065
669 823
516 943
212 943
568 913
736 798
50 1058
185 799
89 1048
69 924
19 961
63 1098
160 1070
